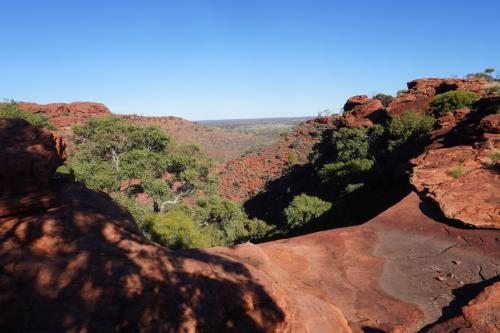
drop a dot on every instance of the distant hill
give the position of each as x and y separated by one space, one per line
271 129
221 143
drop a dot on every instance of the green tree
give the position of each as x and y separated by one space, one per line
304 209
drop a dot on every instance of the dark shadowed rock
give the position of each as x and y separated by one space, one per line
29 155
481 315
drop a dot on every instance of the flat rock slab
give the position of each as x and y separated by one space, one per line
395 273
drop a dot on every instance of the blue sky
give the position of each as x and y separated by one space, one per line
218 59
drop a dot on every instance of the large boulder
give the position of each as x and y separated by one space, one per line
29 155
362 111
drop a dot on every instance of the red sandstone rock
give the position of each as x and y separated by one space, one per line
458 172
491 124
363 111
29 155
382 274
420 93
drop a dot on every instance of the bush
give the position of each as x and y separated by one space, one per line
227 221
351 143
10 110
175 230
409 128
384 99
456 172
495 157
345 172
356 143
303 209
452 101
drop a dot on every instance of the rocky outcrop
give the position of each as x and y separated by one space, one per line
420 93
29 155
67 114
362 111
450 172
481 315
80 264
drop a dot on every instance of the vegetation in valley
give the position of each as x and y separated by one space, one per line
170 189
345 169
303 209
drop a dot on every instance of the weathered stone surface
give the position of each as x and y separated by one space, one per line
363 111
384 274
463 182
459 172
481 315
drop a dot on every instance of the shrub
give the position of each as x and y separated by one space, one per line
258 229
303 209
293 159
175 230
384 99
351 143
228 222
345 172
356 143
452 101
495 157
456 172
411 128
10 110
353 187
